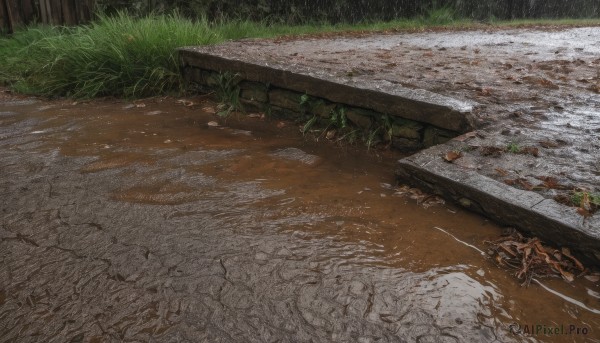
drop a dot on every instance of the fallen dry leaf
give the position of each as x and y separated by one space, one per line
540 81
451 156
501 171
485 92
567 252
586 203
533 151
583 212
531 259
550 182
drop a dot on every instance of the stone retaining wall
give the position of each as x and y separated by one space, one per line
405 134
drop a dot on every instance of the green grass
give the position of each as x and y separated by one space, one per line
513 148
127 56
120 56
227 93
594 198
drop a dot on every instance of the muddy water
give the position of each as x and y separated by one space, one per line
139 222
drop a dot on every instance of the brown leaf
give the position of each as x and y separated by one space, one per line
485 92
584 212
451 156
586 204
548 84
550 182
491 151
540 81
522 183
501 171
567 253
533 151
532 259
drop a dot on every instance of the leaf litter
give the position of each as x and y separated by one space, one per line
531 259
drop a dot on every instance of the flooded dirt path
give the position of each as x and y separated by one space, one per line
141 223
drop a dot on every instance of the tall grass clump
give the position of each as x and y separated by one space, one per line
119 55
14 61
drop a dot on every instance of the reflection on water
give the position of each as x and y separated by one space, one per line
122 226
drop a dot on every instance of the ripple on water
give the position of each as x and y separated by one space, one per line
167 251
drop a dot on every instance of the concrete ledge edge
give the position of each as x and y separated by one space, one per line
553 223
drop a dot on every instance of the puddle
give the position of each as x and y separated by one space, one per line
109 233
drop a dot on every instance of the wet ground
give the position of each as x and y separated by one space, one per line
140 222
537 90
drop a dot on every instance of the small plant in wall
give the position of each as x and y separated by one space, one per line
383 131
308 103
338 127
304 100
338 118
334 127
228 94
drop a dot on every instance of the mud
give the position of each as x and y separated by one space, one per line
140 222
